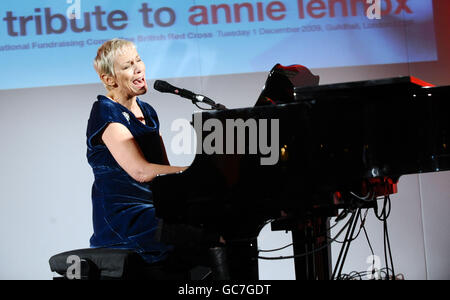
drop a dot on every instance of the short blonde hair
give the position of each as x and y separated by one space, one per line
104 61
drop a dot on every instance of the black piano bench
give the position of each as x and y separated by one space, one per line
109 264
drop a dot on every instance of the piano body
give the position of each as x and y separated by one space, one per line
334 140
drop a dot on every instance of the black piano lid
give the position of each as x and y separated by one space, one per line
395 85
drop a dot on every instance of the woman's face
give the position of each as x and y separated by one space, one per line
130 73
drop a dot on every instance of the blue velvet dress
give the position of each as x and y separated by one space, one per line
123 211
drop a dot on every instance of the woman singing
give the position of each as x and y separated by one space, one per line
125 151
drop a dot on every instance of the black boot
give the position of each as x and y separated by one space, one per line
218 263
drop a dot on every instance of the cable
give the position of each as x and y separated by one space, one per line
383 216
346 246
371 249
384 241
367 236
367 198
281 248
351 226
359 274
354 275
308 252
363 221
341 252
277 249
387 241
319 235
389 269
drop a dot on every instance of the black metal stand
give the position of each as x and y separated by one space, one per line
314 252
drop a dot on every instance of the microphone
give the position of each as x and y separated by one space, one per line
165 87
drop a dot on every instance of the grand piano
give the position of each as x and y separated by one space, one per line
334 141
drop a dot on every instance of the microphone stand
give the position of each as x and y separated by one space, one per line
206 100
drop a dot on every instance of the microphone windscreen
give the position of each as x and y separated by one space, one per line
163 87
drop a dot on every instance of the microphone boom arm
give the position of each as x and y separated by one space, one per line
214 105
